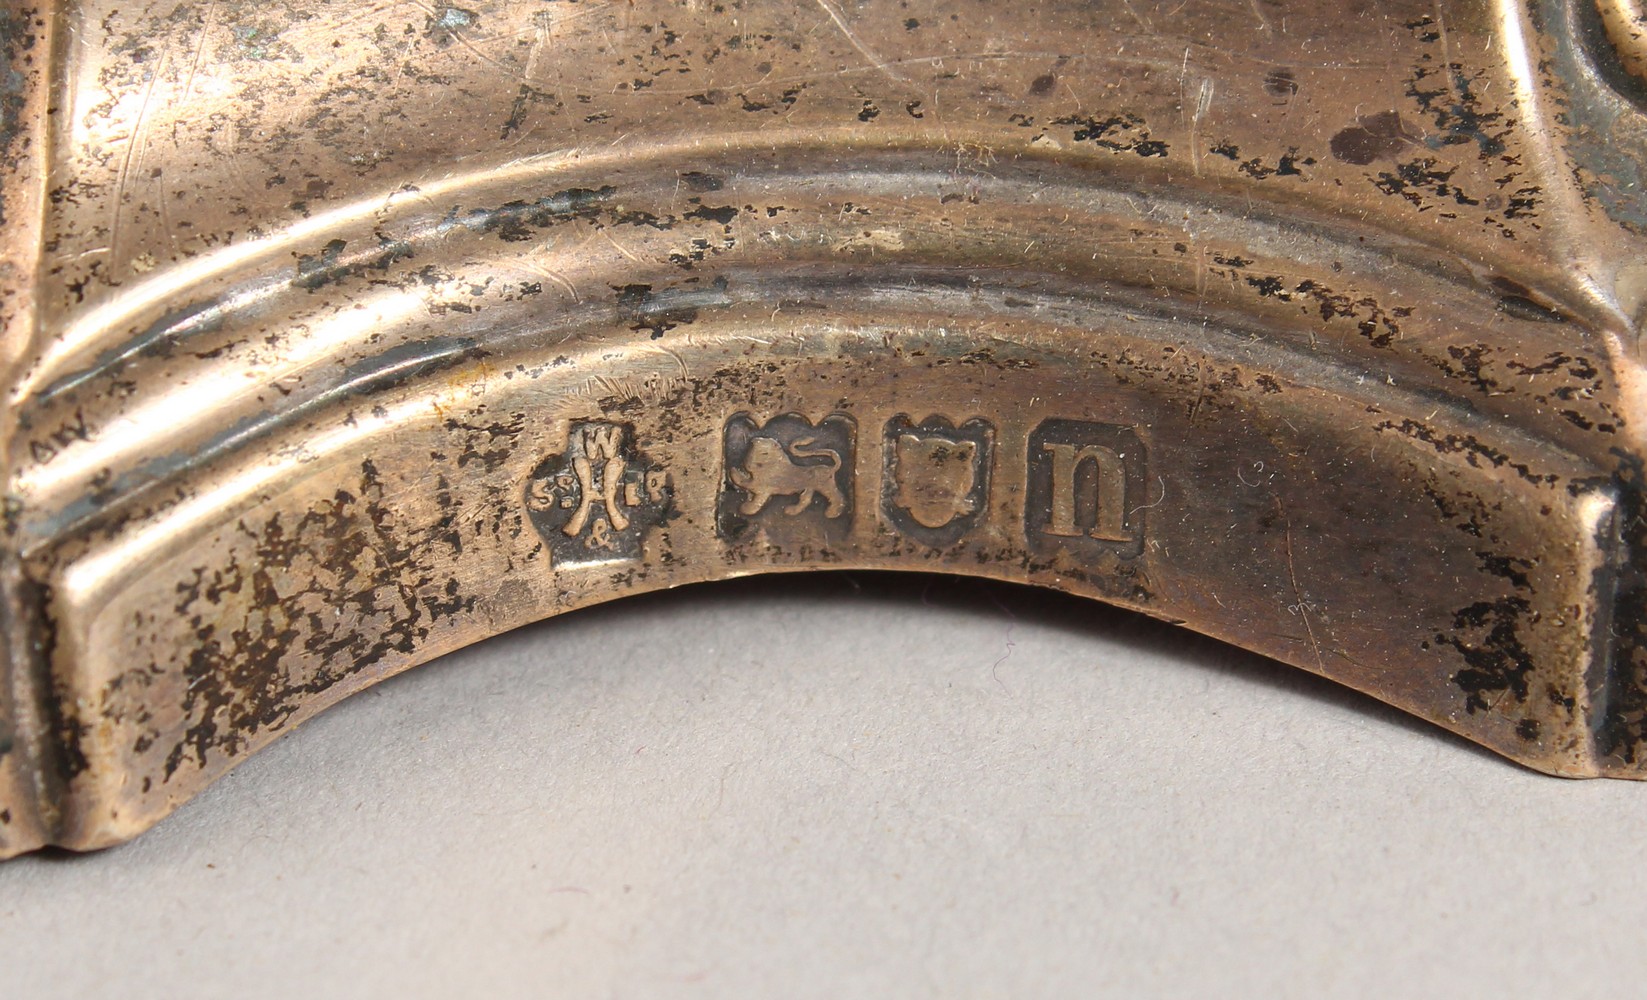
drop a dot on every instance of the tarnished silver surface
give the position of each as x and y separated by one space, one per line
340 335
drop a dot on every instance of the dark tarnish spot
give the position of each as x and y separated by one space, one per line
1454 105
314 270
1415 179
526 98
1042 85
1474 452
702 182
1558 361
329 266
514 221
1486 635
16 42
662 311
1511 568
67 753
346 586
488 444
1379 136
1289 164
723 214
1621 726
1469 364
1124 133
1372 321
1269 285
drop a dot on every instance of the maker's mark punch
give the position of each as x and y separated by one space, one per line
595 502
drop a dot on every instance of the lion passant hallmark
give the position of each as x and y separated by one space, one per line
788 477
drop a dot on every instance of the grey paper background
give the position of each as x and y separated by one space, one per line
847 786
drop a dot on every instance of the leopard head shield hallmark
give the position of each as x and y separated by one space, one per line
936 485
790 477
594 502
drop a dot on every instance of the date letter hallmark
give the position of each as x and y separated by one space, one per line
1086 489
936 486
593 503
788 477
